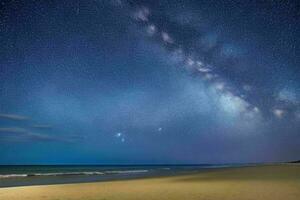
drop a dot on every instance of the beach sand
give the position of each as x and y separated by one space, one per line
277 182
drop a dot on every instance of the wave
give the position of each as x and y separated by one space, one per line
66 173
50 174
13 175
126 171
72 173
165 168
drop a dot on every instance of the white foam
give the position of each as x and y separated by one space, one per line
126 171
13 175
50 174
68 173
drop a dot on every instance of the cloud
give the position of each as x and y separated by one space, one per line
22 134
41 126
13 117
41 137
13 130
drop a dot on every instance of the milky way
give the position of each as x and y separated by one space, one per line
121 81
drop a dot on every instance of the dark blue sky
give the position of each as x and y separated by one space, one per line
135 82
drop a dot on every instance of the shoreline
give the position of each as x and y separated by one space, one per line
78 179
103 174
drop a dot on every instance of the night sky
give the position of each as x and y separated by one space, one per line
149 82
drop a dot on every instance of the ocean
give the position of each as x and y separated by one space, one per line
23 175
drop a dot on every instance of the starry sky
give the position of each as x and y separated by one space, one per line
149 82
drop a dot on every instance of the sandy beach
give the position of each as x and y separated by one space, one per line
257 183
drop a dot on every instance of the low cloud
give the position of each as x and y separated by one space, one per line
40 137
13 117
22 134
13 130
41 126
